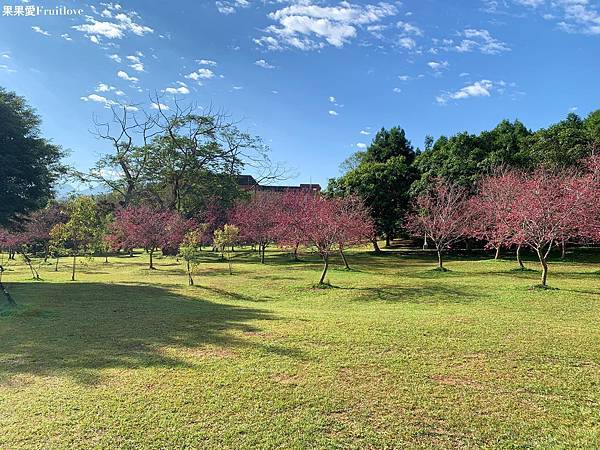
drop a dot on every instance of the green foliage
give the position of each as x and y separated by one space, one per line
464 158
565 143
224 239
82 234
381 176
190 251
29 164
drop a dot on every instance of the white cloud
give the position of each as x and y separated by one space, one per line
579 16
332 99
237 88
307 26
397 90
7 69
206 62
333 113
161 106
407 43
438 65
361 145
182 89
231 6
135 63
99 99
365 132
480 40
117 28
403 77
125 76
40 30
481 88
408 28
203 73
66 37
572 16
103 87
115 58
264 64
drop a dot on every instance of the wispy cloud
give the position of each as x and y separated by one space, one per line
231 6
125 76
264 64
40 30
481 88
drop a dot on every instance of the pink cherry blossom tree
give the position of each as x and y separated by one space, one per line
355 224
257 220
148 228
290 220
490 210
442 214
546 212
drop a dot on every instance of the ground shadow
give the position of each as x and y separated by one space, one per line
430 294
78 328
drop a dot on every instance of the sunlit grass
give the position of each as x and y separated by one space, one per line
394 354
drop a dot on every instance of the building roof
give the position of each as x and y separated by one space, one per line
247 182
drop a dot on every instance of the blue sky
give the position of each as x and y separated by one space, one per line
314 78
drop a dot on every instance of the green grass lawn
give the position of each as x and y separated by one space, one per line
393 355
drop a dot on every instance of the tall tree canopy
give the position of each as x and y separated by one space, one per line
381 176
177 159
29 164
464 158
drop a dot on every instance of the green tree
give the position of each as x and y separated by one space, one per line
82 234
225 239
381 176
29 164
464 158
563 144
191 251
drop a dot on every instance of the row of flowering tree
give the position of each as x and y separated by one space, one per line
540 210
289 220
293 219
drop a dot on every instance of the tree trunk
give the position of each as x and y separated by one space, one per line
261 250
73 271
440 260
468 245
56 266
544 264
325 267
376 246
190 279
563 250
9 299
425 244
106 259
34 274
519 259
151 259
388 241
497 255
296 252
344 259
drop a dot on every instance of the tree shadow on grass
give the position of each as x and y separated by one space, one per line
77 329
431 294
